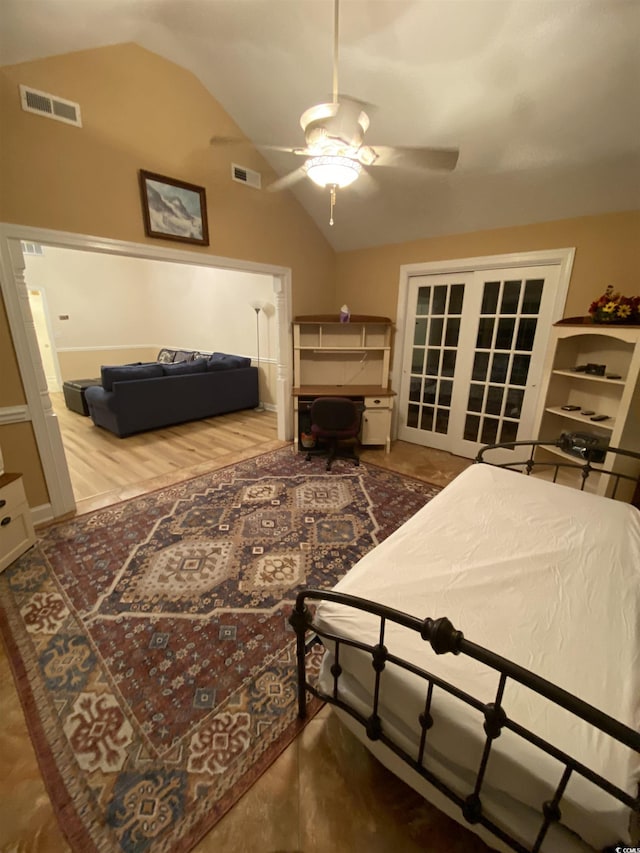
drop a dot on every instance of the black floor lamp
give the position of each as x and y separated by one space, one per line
258 307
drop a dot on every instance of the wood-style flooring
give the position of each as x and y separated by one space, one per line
105 469
325 793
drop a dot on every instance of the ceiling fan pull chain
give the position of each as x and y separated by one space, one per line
332 193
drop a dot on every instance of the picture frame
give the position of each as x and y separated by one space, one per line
173 209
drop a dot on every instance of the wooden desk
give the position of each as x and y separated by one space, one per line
330 357
376 417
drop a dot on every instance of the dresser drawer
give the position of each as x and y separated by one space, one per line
378 402
11 493
16 527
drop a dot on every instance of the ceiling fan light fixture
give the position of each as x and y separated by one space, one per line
332 171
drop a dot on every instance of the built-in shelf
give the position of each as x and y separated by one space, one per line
618 349
583 419
578 374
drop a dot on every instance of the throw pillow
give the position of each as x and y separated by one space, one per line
226 361
183 355
124 372
197 366
166 356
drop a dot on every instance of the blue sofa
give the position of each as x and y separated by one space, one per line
138 397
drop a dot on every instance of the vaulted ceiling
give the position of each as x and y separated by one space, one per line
542 97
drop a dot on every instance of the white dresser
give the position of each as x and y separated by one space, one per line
16 528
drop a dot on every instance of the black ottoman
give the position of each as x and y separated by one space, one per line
74 390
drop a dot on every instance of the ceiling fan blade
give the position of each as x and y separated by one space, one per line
217 141
366 185
300 152
287 180
409 157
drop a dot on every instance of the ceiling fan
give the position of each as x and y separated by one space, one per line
334 143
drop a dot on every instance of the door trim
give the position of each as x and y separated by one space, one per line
560 257
39 410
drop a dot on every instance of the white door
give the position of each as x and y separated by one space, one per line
40 314
474 351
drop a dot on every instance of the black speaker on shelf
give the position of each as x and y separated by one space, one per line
584 445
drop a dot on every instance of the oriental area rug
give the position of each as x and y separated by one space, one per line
150 641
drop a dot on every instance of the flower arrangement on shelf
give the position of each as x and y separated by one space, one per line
612 307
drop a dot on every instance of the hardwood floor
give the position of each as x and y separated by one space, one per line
105 469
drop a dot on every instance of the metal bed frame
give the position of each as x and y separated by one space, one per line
444 638
585 468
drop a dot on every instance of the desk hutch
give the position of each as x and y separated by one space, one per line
350 359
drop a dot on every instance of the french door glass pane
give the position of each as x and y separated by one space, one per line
519 369
420 333
502 358
490 297
499 367
453 332
526 333
532 296
510 297
480 366
422 306
456 295
435 332
505 333
485 333
439 299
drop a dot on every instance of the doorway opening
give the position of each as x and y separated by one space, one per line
39 409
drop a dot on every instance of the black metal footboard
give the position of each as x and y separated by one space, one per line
444 638
623 466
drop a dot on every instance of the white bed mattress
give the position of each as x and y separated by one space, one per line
542 574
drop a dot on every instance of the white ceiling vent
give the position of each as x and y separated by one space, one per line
246 176
29 248
50 106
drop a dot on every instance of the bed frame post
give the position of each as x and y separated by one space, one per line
300 620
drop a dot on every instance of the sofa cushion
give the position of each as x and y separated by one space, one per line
225 361
166 356
123 372
197 366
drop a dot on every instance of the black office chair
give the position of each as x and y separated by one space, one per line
335 425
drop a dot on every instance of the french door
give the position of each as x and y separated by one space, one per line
473 356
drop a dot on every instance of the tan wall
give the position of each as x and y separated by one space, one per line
86 364
139 111
607 252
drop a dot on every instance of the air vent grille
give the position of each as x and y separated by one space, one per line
31 248
246 176
50 106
